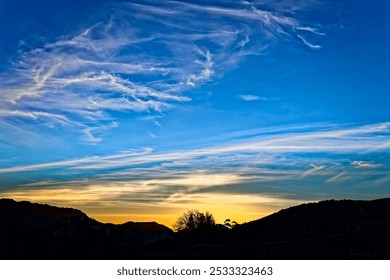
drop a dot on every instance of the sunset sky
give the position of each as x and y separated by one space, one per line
140 110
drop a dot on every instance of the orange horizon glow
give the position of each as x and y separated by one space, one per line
142 200
238 208
165 219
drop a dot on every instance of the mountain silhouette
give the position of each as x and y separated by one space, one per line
36 231
25 212
344 229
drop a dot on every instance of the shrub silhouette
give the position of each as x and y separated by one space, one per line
192 220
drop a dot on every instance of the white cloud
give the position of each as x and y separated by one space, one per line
310 29
364 164
307 43
338 178
114 64
205 73
250 97
357 140
308 162
311 171
34 115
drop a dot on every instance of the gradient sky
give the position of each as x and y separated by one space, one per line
140 110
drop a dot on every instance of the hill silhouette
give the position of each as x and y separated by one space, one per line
344 229
36 231
25 212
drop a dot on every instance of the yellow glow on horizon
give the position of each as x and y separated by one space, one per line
144 200
239 208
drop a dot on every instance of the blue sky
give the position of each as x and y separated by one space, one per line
139 110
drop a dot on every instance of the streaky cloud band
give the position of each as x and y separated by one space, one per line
363 139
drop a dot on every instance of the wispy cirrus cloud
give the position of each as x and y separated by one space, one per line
251 97
289 166
358 140
364 164
129 62
311 30
314 168
307 43
338 178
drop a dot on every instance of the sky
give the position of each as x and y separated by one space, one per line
141 110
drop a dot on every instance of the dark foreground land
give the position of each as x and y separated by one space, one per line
344 229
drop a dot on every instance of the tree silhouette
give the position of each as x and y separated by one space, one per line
192 220
230 224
